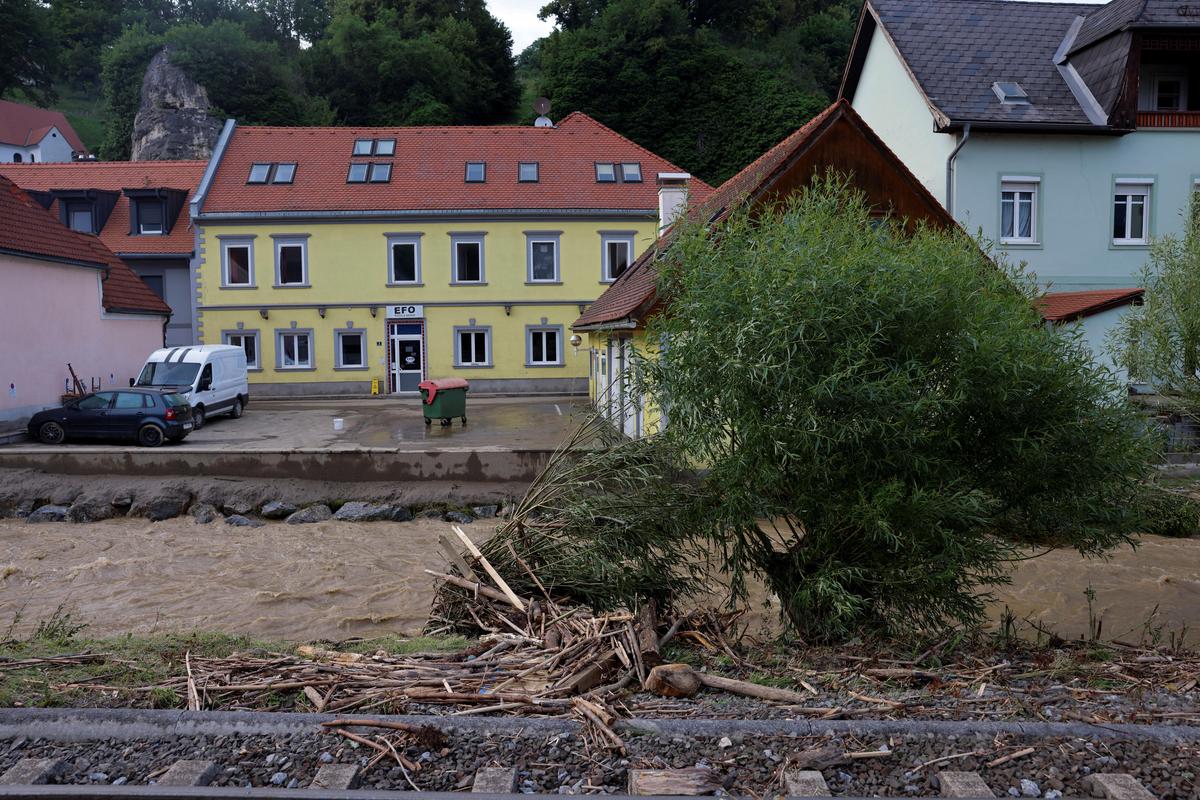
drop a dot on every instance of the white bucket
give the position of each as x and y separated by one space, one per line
339 424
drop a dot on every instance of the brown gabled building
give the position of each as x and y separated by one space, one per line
837 139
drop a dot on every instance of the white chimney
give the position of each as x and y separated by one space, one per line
672 197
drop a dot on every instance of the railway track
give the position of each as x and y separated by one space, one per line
96 753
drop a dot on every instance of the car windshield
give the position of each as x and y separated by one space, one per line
175 399
160 373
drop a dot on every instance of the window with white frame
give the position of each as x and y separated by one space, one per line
616 255
544 346
1131 212
472 347
468 260
351 349
294 350
1018 211
542 255
291 262
248 341
237 264
404 259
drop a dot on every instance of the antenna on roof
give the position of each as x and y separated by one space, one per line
542 107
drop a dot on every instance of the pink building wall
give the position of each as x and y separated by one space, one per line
51 314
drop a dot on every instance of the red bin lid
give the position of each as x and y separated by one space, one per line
434 385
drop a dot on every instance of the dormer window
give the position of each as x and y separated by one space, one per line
606 172
476 172
357 173
80 217
1010 93
631 172
149 216
1170 93
363 147
259 173
527 172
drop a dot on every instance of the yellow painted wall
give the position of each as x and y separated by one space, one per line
348 269
598 342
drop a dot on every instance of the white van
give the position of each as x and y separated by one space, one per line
211 376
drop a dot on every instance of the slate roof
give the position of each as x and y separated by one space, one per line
956 49
23 125
1069 306
428 170
634 293
26 229
1123 15
115 176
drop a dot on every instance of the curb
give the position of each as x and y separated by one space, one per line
124 724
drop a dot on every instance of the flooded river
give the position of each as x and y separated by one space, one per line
333 580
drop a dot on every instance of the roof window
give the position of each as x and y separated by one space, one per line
363 147
284 173
385 147
631 172
259 173
1010 93
374 147
606 172
476 172
357 173
527 172
381 173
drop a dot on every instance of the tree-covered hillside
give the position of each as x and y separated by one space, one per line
707 83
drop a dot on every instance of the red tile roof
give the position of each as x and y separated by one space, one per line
115 176
1070 306
23 125
634 293
428 169
28 229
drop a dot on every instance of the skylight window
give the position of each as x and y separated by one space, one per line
1010 93
357 174
259 173
631 173
381 173
527 172
362 147
606 172
476 172
385 147
284 173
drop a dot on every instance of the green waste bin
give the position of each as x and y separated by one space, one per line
444 399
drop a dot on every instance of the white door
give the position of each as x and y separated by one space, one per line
405 344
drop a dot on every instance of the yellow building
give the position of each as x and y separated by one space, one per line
338 257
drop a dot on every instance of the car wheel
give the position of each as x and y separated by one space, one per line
52 433
150 436
236 411
197 418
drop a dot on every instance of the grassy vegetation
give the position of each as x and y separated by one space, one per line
128 663
83 107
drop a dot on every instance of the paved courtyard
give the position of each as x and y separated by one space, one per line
385 424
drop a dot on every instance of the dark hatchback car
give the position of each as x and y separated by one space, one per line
149 416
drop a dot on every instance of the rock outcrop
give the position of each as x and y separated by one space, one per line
173 121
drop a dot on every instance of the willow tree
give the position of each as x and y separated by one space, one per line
883 421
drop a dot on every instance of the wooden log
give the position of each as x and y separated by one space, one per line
690 782
509 594
647 635
453 556
673 680
751 689
805 783
486 591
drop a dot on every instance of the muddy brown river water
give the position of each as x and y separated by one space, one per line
333 580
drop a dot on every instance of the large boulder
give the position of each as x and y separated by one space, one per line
277 509
204 513
317 513
167 504
48 513
90 508
239 521
173 121
358 511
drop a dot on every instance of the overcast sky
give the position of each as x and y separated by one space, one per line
521 18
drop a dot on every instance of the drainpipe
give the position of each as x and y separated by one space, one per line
950 168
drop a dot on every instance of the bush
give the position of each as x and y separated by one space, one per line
1166 513
884 420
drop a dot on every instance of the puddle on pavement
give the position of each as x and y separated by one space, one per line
333 580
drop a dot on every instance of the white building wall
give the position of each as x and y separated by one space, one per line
52 147
1094 331
890 102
